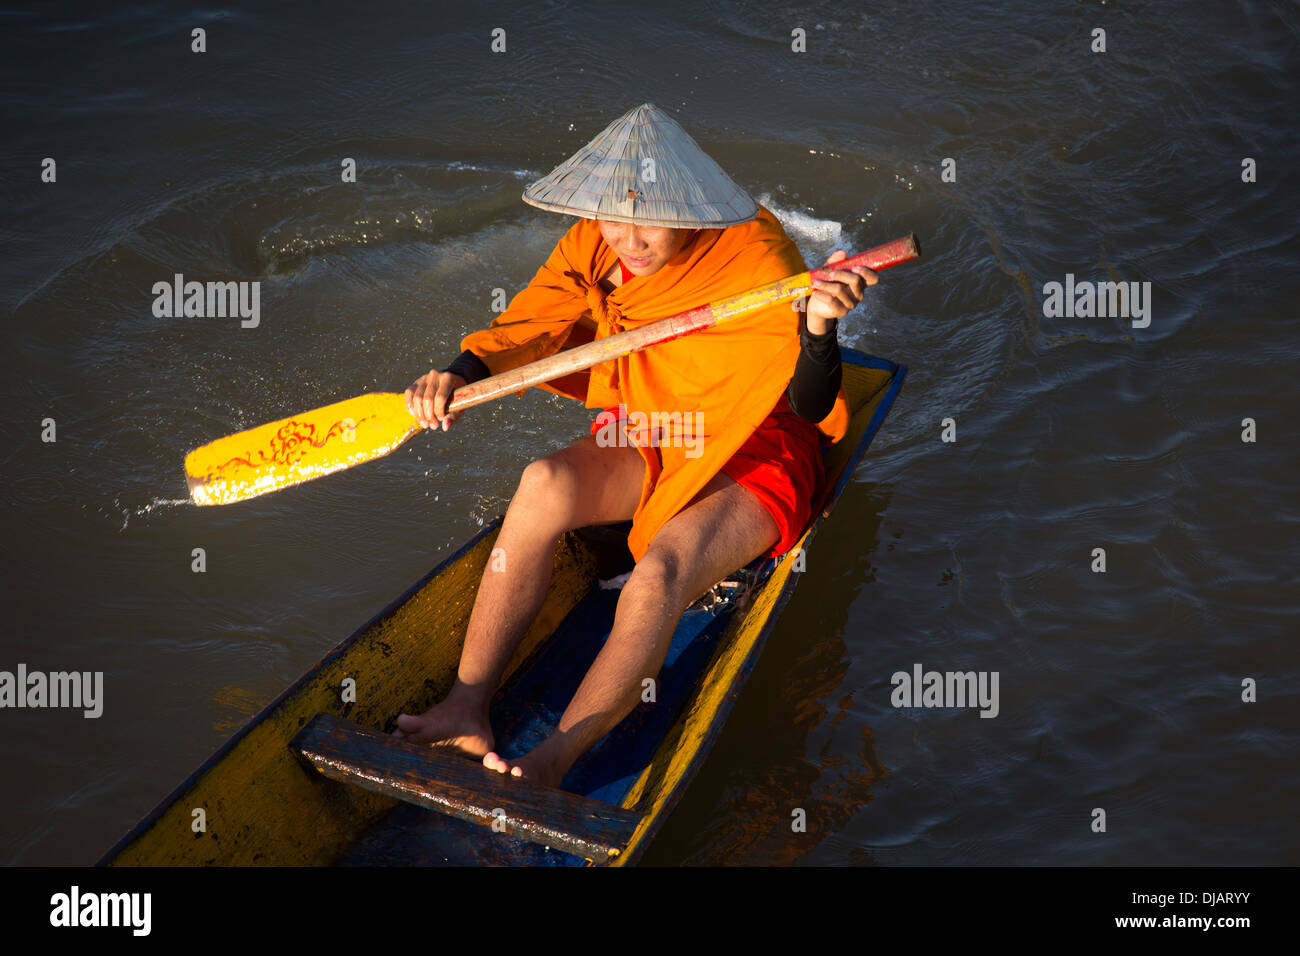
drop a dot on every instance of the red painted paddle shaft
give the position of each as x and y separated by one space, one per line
881 257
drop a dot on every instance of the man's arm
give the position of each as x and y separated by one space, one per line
817 373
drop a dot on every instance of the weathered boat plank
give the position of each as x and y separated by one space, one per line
451 784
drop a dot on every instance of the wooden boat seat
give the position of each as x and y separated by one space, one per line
452 784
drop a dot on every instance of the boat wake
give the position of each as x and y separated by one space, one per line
278 222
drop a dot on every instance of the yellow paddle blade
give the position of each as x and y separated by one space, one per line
297 449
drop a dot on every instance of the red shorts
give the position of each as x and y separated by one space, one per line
780 465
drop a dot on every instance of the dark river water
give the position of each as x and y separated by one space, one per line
1120 690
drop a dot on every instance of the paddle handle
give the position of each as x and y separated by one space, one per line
881 257
616 346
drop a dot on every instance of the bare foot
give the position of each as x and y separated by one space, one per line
449 724
530 766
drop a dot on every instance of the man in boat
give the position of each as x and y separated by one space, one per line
662 229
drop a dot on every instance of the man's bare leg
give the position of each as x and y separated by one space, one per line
723 528
581 485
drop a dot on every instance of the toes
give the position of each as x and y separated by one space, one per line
407 723
494 762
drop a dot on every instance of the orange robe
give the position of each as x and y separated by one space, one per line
733 374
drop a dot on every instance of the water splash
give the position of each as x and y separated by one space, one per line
157 503
822 236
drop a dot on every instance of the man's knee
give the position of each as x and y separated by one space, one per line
545 491
542 481
660 571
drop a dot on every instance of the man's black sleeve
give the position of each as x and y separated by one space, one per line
470 367
817 373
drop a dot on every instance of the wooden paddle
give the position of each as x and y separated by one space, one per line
297 449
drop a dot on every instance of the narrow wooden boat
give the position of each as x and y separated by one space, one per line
313 780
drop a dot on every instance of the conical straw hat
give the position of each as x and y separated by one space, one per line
644 169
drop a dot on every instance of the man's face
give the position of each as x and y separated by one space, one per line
644 249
